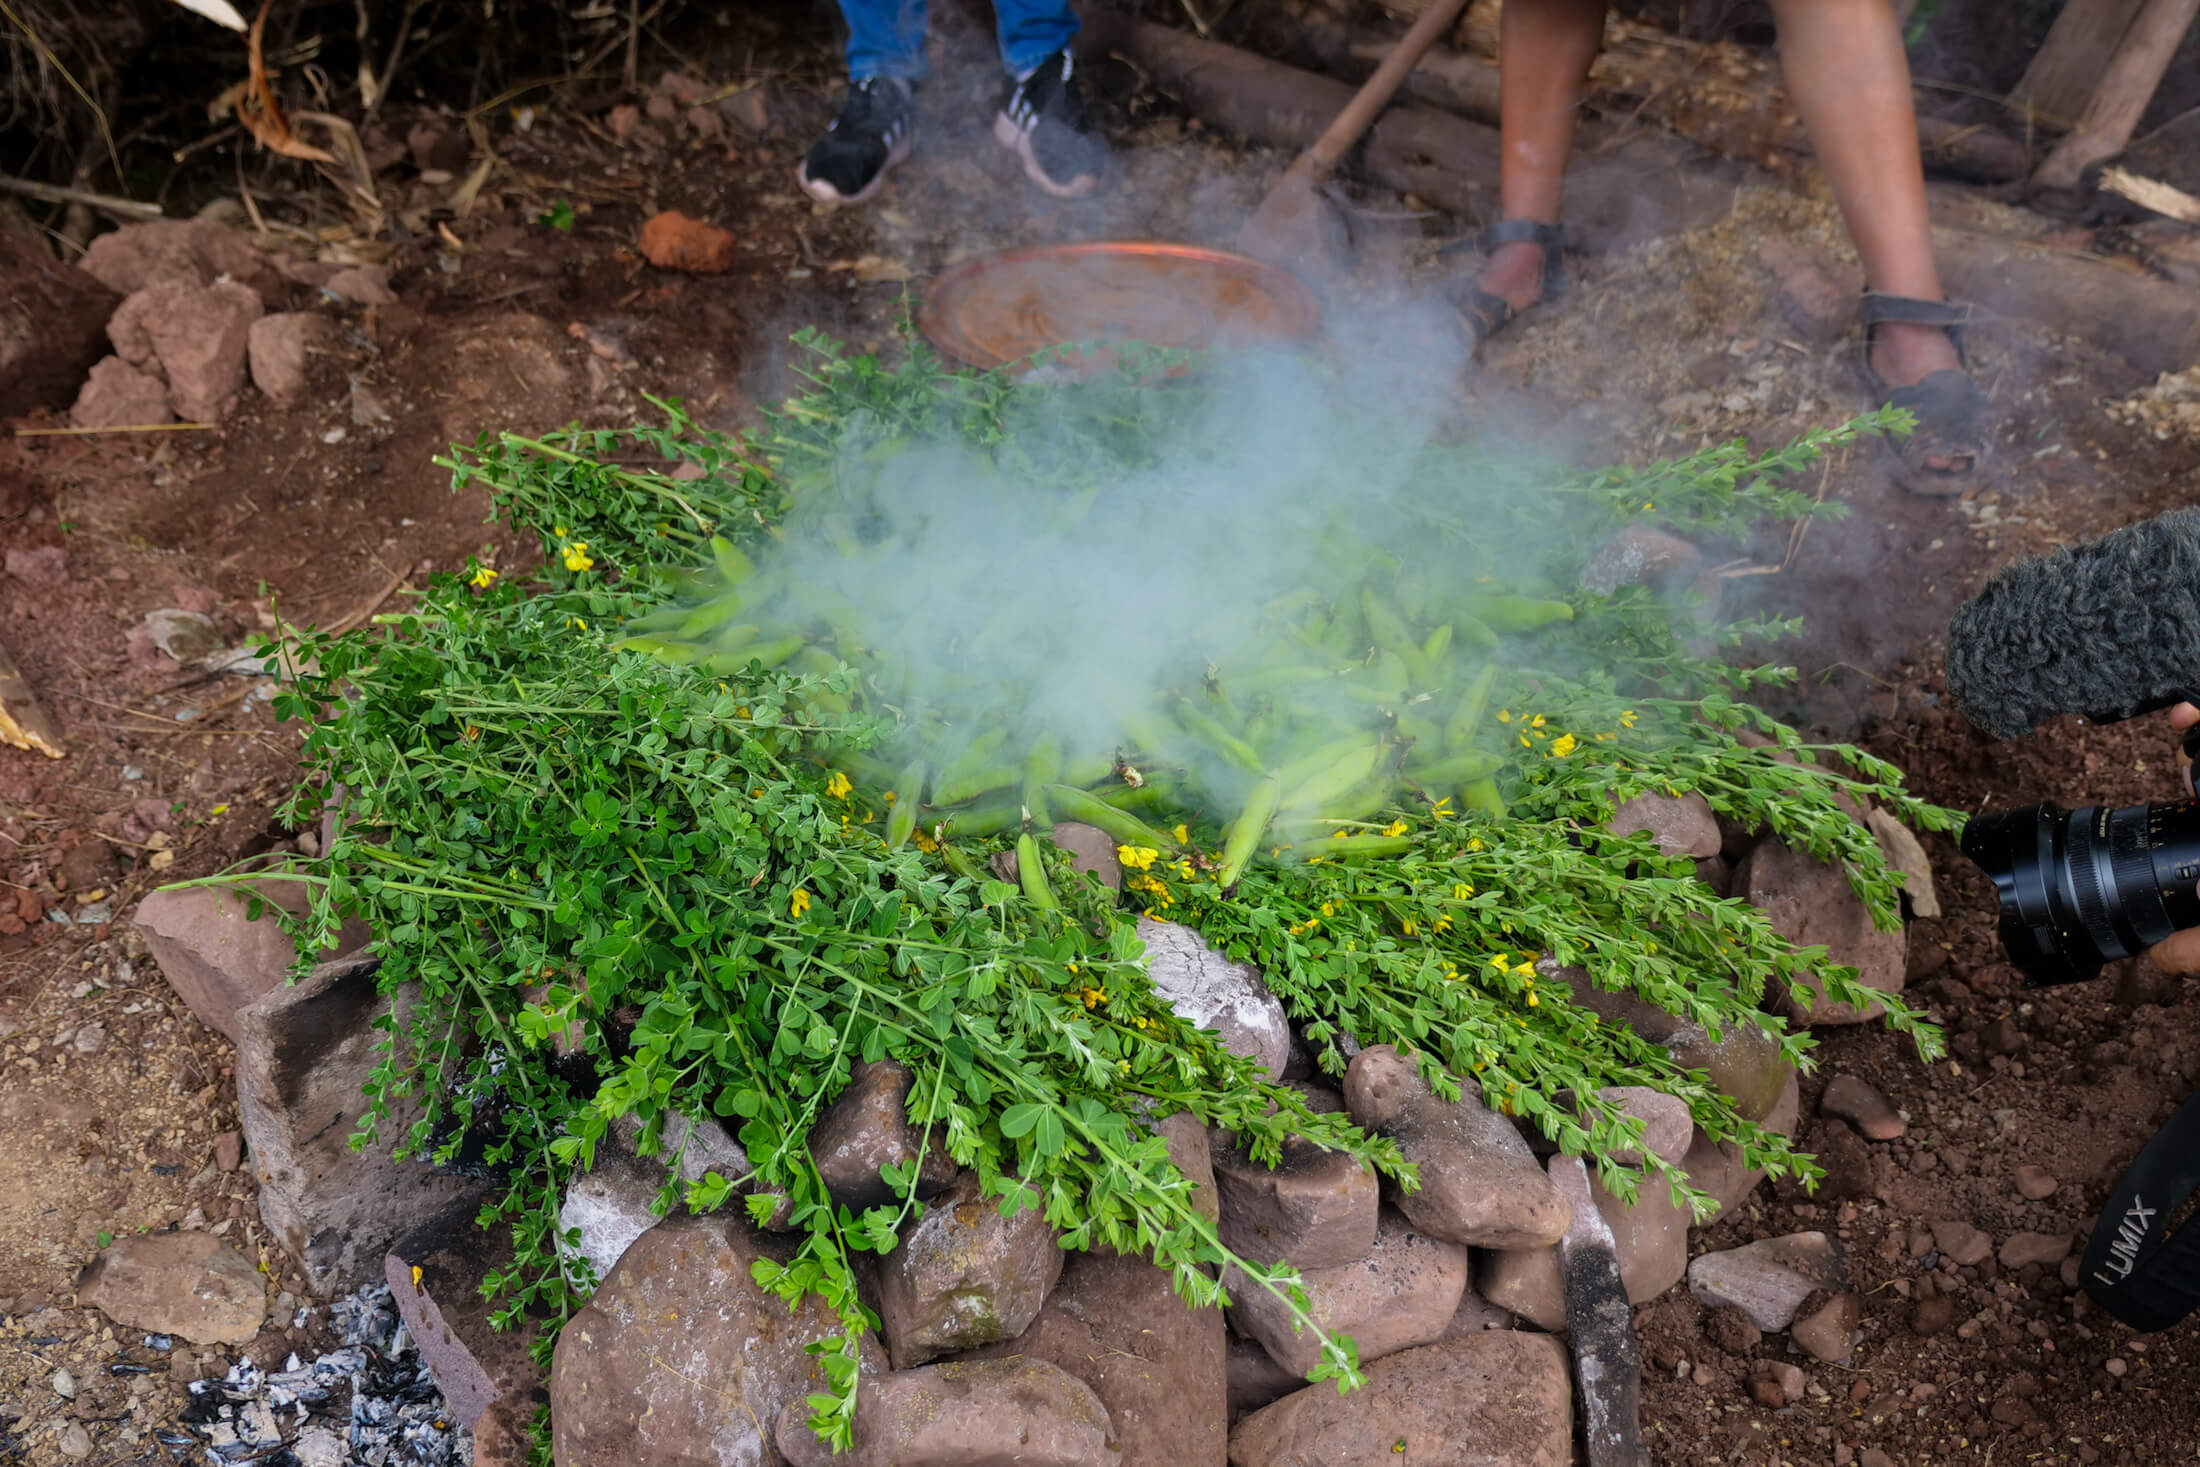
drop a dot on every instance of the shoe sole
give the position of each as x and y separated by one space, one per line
825 193
1017 141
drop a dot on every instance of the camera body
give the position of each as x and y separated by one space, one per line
2083 888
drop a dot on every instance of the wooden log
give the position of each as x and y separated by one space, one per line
2071 62
2122 96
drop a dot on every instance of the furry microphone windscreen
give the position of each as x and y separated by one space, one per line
2105 629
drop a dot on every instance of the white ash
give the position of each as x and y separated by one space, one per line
371 1397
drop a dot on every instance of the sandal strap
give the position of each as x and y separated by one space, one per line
1490 311
1877 309
1947 404
1521 231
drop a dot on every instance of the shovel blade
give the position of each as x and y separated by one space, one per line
1297 228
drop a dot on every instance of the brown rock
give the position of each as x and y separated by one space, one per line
278 346
1718 1168
504 1436
1091 850
229 1151
964 1275
1934 1316
1157 1366
684 1294
53 327
990 1413
216 957
1210 990
1650 1240
1744 1063
1768 1279
1480 1183
1667 1128
1766 1392
1811 905
1828 1331
672 241
366 285
1682 825
868 1127
1863 1107
180 251
198 334
1402 1294
188 1284
435 1273
2035 1183
1317 1208
304 1053
1640 555
118 395
1255 1379
2026 1248
1961 1243
1496 1399
1907 857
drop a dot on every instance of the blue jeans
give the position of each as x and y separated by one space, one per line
886 37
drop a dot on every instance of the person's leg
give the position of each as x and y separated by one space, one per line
1032 30
885 39
1544 49
1850 78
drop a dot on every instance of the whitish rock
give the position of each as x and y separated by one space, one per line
1640 555
1315 1207
188 1284
867 1127
614 1202
1157 1366
1682 825
1767 1280
1667 1127
681 1358
1828 1332
303 1057
1480 1183
1906 855
989 1413
1811 905
964 1275
1495 1399
1863 1107
1650 1240
1402 1294
1212 991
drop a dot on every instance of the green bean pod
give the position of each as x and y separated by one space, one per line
908 790
1481 794
1076 804
1245 832
1518 613
1466 719
1033 874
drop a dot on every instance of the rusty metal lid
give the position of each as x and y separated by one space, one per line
998 309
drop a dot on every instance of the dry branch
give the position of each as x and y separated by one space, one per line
2070 64
2121 99
105 203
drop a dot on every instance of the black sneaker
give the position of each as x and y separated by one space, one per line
870 136
1043 123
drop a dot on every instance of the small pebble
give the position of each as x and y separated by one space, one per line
64 1385
2035 1183
2117 1367
91 1039
74 1441
1863 1107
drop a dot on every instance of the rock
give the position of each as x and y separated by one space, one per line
53 327
1873 1457
1961 1243
229 1151
1402 1294
1828 1332
1480 1183
1190 1151
188 1284
435 1273
1091 849
1157 1366
74 1441
118 395
2035 1183
1767 1280
1810 904
1667 1127
199 336
748 108
317 1446
215 957
180 251
991 1413
1863 1107
1495 1399
366 285
1934 1316
867 1127
277 347
1640 555
964 1275
614 1202
1788 1380
682 1358
2021 1249
672 241
1906 855
1682 825
1718 1169
181 636
1255 1379
1744 1063
304 1053
1211 991
45 568
1315 1207
1810 296
1650 1240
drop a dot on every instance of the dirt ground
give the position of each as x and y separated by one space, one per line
113 1095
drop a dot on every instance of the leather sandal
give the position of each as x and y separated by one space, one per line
1954 418
1485 313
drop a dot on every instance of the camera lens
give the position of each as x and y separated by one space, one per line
2083 888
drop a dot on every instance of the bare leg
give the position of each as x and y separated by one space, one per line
1851 81
1544 49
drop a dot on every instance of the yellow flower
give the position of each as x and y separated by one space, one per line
924 842
1441 808
799 902
577 557
1524 742
740 713
574 621
837 786
1396 827
561 532
891 796
1504 715
1138 858
1443 922
482 579
1563 746
1627 718
1410 929
1329 909
1182 833
1536 722
1460 891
